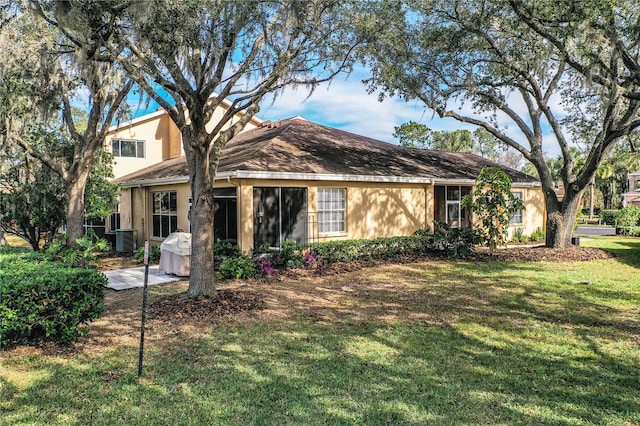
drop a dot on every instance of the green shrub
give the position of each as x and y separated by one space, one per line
453 242
519 237
609 217
628 218
289 256
223 251
238 267
538 235
82 257
423 232
456 243
154 254
634 231
226 249
43 299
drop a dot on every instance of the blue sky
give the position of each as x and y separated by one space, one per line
345 104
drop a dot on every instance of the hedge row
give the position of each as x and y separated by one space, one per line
625 220
44 299
449 242
446 242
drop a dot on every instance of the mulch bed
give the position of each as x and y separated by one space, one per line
225 302
544 254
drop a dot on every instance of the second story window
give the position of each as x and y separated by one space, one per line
127 148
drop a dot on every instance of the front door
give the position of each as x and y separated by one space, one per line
279 214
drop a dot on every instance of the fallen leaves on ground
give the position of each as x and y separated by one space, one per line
225 302
544 254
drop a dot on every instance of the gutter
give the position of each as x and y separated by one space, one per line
327 177
154 182
472 182
246 174
525 184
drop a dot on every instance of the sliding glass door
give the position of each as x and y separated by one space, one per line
279 214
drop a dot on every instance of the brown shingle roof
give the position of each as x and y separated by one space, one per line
300 146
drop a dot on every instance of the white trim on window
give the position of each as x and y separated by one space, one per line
517 217
164 213
129 148
332 210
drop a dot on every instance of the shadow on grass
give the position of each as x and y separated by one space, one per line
476 344
626 249
342 373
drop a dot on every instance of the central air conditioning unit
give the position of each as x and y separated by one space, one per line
126 240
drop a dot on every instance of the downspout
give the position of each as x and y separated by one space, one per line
426 207
145 196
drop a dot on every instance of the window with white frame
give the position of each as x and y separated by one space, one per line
516 217
127 148
455 213
332 210
165 213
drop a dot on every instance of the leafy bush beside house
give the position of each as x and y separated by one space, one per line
493 203
44 299
446 241
154 254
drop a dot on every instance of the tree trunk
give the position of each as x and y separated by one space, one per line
75 209
202 279
561 218
3 242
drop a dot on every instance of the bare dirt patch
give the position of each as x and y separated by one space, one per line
111 261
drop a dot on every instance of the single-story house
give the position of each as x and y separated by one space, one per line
299 180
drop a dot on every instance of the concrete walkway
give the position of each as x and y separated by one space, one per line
124 279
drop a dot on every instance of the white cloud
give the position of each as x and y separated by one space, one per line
346 105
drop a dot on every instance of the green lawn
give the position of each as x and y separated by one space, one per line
482 343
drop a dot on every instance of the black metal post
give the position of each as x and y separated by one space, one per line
144 306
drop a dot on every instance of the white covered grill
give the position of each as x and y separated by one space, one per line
175 254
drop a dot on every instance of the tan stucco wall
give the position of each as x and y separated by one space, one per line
534 212
137 214
126 209
382 210
373 209
136 209
245 215
162 140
